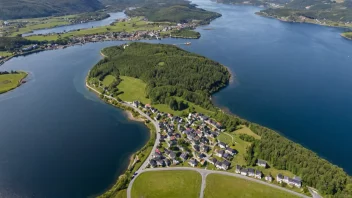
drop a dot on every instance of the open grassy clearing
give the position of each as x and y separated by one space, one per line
134 89
246 130
5 53
108 80
219 186
241 147
170 184
121 194
10 81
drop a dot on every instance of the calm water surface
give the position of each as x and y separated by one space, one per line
58 140
107 21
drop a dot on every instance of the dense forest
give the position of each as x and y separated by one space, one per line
14 9
14 43
284 154
167 70
178 11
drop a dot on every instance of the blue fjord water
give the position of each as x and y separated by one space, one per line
59 140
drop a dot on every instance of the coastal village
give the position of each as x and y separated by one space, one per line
164 30
192 141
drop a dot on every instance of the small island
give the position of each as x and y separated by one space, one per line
170 89
11 80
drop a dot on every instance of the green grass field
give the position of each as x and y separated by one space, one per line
121 194
133 89
5 53
170 184
347 35
10 81
219 186
108 80
241 147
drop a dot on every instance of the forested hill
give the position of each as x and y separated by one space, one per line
178 11
13 9
339 11
167 70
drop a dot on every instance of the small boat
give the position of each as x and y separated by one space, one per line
188 43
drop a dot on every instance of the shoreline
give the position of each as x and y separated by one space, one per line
131 157
19 83
131 117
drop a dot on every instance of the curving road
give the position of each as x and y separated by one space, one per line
155 123
204 173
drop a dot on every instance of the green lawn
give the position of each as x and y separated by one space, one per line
121 194
5 53
10 81
219 186
133 88
347 35
108 80
246 130
168 184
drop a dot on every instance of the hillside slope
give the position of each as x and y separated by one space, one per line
13 9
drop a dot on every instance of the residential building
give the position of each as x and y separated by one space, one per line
226 165
231 151
184 156
222 145
262 163
258 174
244 171
268 178
238 169
193 162
251 172
279 178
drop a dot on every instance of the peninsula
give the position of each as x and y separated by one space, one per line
171 88
11 80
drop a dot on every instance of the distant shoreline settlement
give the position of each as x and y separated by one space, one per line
108 36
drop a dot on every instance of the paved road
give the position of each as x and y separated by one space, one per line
204 174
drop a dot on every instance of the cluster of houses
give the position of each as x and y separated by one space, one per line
192 140
295 181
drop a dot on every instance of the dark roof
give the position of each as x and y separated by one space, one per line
261 161
226 163
152 162
238 167
218 163
257 172
172 154
214 160
297 178
184 155
280 176
221 151
244 170
251 170
193 161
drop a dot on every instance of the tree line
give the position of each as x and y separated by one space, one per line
167 70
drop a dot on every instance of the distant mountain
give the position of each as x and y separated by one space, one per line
14 9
